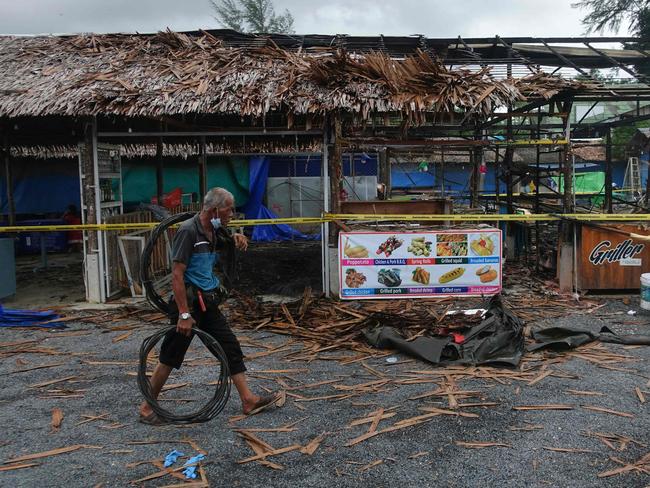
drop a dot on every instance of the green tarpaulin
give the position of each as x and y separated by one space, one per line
592 182
139 178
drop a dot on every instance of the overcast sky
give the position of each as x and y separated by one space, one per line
433 18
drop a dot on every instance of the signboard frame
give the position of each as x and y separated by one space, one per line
373 266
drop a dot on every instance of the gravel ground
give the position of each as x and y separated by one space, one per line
111 389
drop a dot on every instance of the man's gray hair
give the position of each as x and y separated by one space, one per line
216 198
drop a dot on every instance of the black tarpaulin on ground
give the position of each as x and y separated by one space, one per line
498 338
563 338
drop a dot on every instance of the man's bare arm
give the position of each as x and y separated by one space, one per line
180 296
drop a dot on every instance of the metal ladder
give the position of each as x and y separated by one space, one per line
632 178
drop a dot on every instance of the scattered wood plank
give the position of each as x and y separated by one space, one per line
639 394
19 466
540 377
92 418
52 382
551 406
585 393
275 452
57 418
370 465
607 410
52 452
33 368
480 445
311 447
370 419
164 472
567 449
642 466
122 337
418 454
526 428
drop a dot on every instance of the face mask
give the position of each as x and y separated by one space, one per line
216 223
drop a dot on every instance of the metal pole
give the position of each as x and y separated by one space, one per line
537 185
98 214
326 208
608 172
9 177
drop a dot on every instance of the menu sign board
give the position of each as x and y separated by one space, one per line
419 264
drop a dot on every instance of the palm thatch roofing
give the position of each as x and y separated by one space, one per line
174 73
181 150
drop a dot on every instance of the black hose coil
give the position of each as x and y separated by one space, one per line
210 409
154 298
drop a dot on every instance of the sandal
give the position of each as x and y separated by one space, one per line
152 419
266 402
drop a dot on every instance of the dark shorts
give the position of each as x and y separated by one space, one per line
212 321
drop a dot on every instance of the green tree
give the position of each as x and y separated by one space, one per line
252 16
609 14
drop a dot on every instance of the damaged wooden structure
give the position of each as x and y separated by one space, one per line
220 92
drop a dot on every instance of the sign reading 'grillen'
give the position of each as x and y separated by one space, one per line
604 253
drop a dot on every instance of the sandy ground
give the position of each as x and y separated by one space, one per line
95 364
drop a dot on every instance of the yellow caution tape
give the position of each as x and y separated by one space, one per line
490 217
349 218
151 225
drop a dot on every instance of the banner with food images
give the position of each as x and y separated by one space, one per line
420 264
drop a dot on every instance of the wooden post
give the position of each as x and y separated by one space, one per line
497 182
336 168
9 177
88 186
538 135
335 171
508 162
565 266
647 188
477 156
203 170
608 172
159 171
383 173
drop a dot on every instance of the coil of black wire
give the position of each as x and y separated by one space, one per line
153 296
213 407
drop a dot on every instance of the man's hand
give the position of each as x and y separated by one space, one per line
241 242
185 326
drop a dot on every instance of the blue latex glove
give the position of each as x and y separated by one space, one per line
172 457
190 472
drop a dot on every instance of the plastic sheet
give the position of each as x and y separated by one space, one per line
255 209
28 318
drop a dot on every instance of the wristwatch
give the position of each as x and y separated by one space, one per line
185 315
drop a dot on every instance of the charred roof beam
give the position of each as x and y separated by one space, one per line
514 53
639 77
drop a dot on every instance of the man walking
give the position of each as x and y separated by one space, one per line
197 295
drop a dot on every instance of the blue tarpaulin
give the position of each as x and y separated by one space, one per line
255 209
28 318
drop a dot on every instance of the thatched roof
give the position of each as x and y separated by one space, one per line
173 73
181 150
